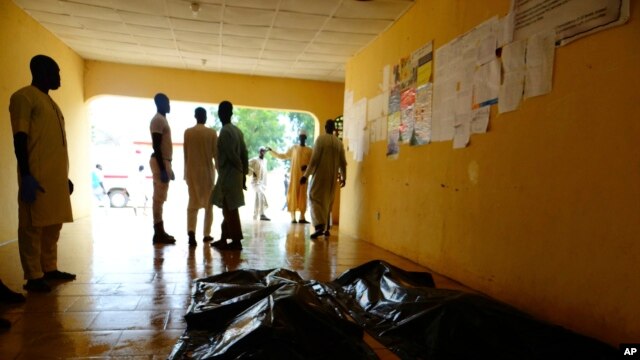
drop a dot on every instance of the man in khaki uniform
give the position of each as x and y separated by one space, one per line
328 165
200 150
300 155
44 203
160 165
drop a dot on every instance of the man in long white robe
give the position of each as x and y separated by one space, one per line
200 152
328 165
300 155
258 173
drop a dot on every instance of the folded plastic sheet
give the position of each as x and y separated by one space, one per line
404 312
274 314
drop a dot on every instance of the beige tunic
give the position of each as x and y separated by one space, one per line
200 152
327 162
37 115
297 193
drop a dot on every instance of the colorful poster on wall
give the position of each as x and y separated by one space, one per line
423 62
407 100
393 123
422 115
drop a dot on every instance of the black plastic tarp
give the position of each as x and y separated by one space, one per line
275 314
272 314
403 311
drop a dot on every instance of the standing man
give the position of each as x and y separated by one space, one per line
160 165
300 155
200 151
233 167
327 165
258 171
44 203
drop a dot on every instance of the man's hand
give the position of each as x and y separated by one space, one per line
303 180
28 187
70 186
164 176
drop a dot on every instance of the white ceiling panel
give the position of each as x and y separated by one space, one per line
54 7
195 25
241 52
90 11
148 31
199 48
276 64
245 30
242 42
203 38
332 49
288 20
155 42
153 7
381 10
58 19
143 19
207 12
254 4
329 58
344 38
315 65
295 35
103 25
153 51
322 7
284 45
360 26
280 55
306 39
244 16
199 55
236 60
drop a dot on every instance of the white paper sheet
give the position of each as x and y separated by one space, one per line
486 84
512 87
480 120
462 130
539 59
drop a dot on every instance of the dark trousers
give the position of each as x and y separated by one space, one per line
231 227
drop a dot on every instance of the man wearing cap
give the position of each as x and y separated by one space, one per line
300 155
258 173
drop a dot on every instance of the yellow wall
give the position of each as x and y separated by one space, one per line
20 39
322 99
542 212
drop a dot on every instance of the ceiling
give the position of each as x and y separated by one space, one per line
306 39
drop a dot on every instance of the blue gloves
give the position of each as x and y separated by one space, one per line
28 187
164 176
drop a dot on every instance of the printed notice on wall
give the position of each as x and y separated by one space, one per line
570 19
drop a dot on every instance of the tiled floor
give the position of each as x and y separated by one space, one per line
130 296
